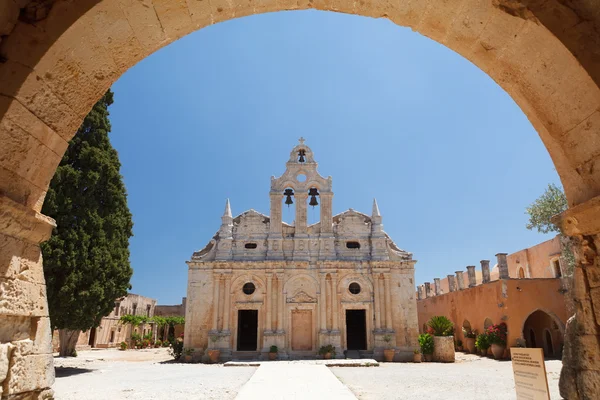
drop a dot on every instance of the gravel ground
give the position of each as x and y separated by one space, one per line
143 374
471 377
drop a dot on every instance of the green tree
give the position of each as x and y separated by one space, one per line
552 202
86 261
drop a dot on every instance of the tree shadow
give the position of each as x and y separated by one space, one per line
62 372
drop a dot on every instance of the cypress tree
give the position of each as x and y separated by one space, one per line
86 261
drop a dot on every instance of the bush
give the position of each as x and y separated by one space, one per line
166 343
273 349
123 346
327 349
497 334
158 343
426 343
482 342
176 349
441 326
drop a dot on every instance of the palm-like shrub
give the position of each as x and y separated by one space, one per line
426 343
441 326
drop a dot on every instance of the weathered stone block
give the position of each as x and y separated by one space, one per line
20 259
443 348
18 297
29 373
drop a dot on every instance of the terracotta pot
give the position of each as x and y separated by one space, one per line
388 355
327 356
498 351
483 352
214 355
427 357
187 358
417 357
272 356
470 345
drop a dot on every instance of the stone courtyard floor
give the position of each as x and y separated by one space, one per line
150 374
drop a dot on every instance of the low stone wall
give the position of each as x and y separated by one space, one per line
443 348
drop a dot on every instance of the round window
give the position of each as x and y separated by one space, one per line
354 288
249 288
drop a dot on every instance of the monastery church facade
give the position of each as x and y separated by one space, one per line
263 282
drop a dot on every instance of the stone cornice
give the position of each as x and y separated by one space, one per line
24 223
582 219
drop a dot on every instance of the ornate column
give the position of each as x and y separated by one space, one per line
268 303
382 305
436 285
472 276
323 302
280 302
227 303
460 280
451 283
377 302
388 303
334 303
427 289
485 271
502 265
216 295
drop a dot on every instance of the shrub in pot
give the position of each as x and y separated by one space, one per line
470 336
443 331
123 346
158 344
388 352
417 355
273 352
497 338
213 353
427 345
187 355
327 351
482 343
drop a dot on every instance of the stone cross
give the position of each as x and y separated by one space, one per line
460 280
451 283
472 276
436 284
427 289
301 140
485 270
502 265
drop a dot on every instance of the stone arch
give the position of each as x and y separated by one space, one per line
238 282
302 282
540 323
520 273
544 54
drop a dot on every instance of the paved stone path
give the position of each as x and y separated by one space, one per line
290 381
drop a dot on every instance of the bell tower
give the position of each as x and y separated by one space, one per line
299 184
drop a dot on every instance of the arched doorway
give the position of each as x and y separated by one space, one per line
487 323
55 69
521 273
544 330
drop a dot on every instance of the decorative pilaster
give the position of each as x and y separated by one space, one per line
388 303
227 303
485 271
472 276
323 302
436 285
502 265
334 303
460 280
216 297
280 302
301 220
269 303
377 302
326 212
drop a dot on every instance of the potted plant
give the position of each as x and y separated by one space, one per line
442 330
497 338
482 343
327 351
123 346
187 355
427 345
459 345
470 336
158 344
389 351
273 352
214 353
417 355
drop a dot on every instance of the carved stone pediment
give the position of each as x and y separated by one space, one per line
301 297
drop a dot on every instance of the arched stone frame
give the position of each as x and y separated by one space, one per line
369 312
237 306
521 273
553 261
241 301
289 292
559 323
361 301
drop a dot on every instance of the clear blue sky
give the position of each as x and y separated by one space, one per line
451 159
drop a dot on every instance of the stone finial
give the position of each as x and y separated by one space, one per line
471 275
485 271
376 212
451 283
227 212
460 280
502 265
427 289
436 285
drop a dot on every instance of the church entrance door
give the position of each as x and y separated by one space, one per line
247 334
356 329
301 330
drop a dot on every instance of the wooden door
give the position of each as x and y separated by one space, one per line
301 330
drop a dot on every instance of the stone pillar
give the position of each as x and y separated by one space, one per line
472 276
388 303
419 292
323 302
377 302
427 289
436 285
502 265
280 302
275 224
485 271
269 303
460 280
301 198
326 212
334 303
451 283
227 303
216 297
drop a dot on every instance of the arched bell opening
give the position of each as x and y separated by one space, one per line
288 207
313 206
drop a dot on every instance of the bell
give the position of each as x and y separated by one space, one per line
301 155
313 192
289 193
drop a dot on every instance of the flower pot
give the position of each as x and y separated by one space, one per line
443 349
272 356
483 352
417 357
388 355
327 356
187 358
498 351
470 345
214 355
427 357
